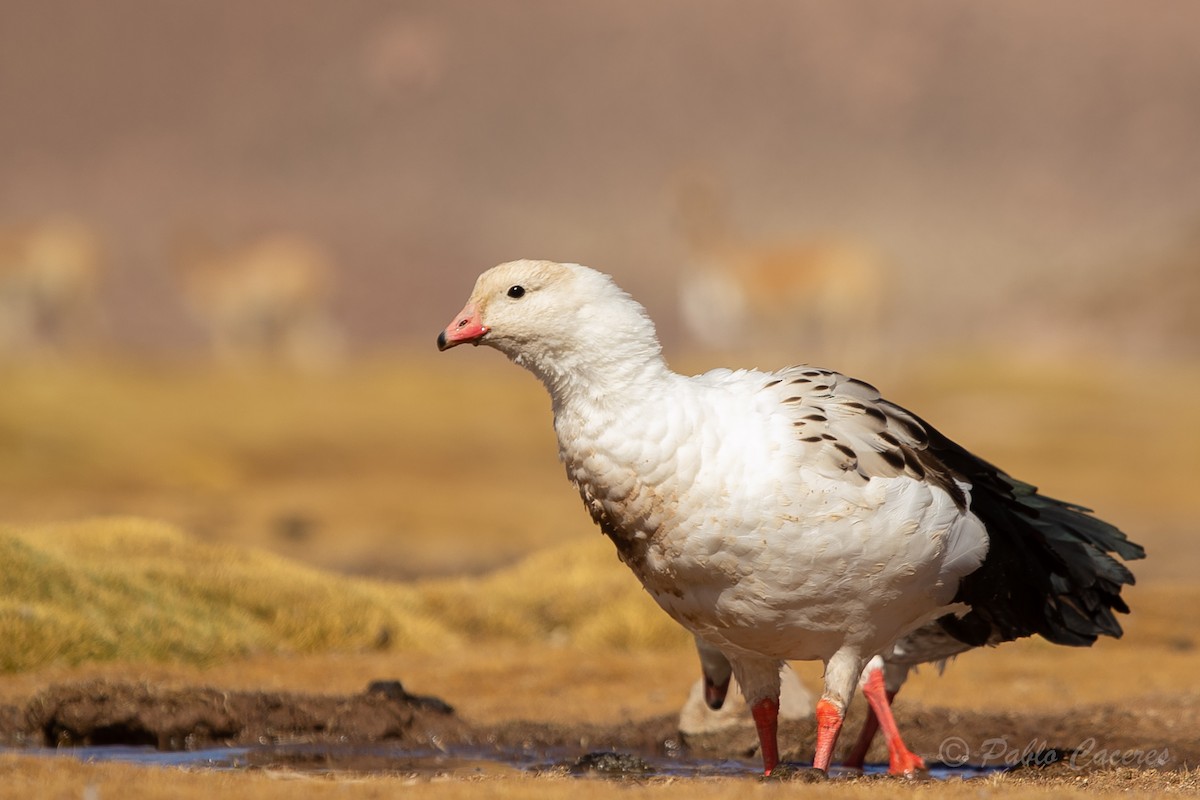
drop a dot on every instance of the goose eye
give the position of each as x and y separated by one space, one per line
516 292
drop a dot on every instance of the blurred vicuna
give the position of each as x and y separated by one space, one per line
263 302
739 292
49 274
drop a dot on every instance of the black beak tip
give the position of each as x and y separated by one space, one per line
714 693
442 340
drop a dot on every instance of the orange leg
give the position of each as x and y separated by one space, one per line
829 724
766 719
902 761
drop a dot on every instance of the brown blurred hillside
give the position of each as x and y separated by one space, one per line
1018 165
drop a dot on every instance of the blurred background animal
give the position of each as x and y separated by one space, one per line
49 276
263 302
740 292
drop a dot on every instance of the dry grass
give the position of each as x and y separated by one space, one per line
387 468
131 589
577 594
128 589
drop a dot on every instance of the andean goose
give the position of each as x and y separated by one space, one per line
793 514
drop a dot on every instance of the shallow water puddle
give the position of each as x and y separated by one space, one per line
455 761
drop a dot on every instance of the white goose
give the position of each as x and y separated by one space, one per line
788 515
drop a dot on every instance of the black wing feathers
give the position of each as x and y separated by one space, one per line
1049 568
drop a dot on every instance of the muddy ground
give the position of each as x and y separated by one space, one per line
386 729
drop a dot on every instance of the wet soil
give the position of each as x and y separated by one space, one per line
386 729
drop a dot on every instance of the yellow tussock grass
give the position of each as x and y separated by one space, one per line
129 589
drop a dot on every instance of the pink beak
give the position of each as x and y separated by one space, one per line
467 327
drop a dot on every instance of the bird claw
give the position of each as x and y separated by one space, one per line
908 764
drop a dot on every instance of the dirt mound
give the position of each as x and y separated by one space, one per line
100 712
